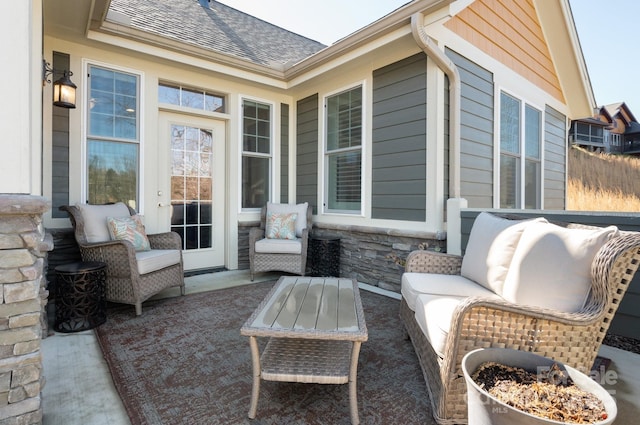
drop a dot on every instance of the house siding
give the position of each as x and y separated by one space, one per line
284 153
307 151
510 32
399 140
59 147
476 132
555 157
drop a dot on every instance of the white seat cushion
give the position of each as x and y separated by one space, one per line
300 209
156 259
279 246
433 315
551 266
414 284
95 219
491 245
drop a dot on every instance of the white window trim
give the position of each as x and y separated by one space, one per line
522 155
275 150
86 63
323 166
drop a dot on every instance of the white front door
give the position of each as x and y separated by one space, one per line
194 149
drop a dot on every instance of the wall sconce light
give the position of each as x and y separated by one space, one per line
64 91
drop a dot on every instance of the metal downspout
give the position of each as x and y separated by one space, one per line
448 67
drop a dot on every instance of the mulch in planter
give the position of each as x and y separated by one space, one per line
551 395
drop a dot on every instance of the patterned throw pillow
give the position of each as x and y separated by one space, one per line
281 226
129 229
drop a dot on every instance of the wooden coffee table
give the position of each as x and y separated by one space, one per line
315 327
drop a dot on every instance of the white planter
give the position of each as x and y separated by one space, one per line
484 409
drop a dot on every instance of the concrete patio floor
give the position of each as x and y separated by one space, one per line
79 390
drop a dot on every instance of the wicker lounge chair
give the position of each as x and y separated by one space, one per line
280 255
477 322
132 277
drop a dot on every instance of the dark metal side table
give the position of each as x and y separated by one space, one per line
80 296
324 256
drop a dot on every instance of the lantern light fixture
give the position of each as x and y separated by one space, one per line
64 91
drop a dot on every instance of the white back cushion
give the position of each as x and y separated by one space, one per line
551 266
95 219
300 209
491 245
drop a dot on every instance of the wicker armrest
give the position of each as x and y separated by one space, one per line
481 322
473 308
120 256
166 240
422 261
255 234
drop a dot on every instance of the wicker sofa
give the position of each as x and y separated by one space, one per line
451 304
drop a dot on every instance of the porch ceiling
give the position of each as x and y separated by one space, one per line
66 18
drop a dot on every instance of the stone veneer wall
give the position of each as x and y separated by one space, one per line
23 255
364 251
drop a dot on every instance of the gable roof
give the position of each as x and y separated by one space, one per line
620 110
216 27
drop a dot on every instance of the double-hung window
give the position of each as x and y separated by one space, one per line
113 137
256 154
343 153
520 175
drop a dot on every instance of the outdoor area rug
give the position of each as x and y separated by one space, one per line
184 362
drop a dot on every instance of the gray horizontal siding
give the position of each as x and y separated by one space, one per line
284 153
476 132
626 321
307 151
60 147
399 140
555 158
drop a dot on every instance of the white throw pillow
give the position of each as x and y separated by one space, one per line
95 219
551 266
300 209
491 245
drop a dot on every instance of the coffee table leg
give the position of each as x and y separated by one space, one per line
255 390
353 384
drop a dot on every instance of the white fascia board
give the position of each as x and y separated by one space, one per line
348 56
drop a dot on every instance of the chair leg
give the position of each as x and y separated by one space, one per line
182 289
138 309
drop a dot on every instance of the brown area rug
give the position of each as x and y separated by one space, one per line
184 362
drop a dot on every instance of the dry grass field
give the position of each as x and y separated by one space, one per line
600 182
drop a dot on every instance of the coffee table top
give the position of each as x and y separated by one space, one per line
310 308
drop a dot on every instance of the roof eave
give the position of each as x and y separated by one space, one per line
560 32
386 25
141 41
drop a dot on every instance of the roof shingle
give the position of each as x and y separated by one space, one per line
219 28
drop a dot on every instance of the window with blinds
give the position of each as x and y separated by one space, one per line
343 153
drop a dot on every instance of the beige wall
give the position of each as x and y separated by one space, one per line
20 118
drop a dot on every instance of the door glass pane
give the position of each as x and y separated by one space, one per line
191 185
113 172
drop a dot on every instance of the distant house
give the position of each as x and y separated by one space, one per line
196 114
613 129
